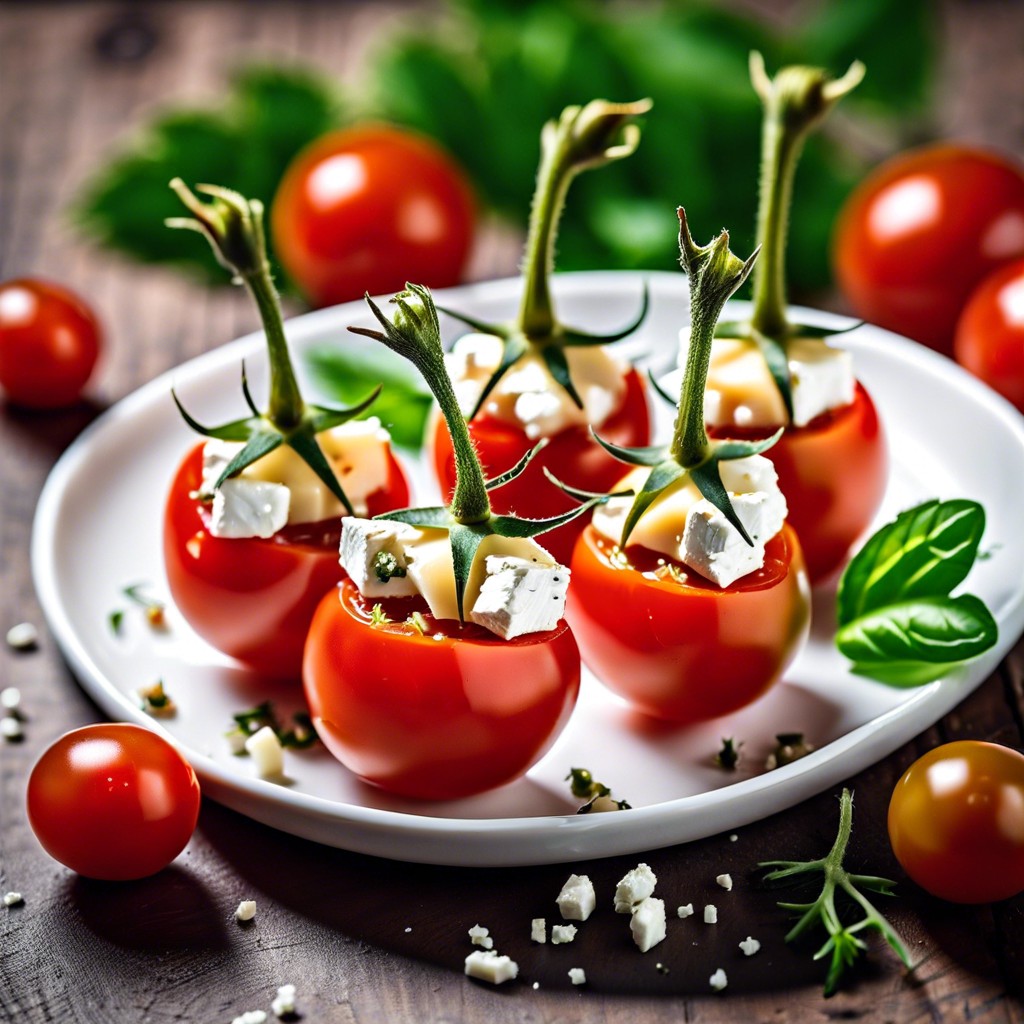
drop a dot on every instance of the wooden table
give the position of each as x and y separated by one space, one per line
369 940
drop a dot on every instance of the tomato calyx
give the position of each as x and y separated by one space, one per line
581 138
233 225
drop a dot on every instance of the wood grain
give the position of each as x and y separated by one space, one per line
367 940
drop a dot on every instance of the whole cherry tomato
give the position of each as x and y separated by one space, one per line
369 208
437 715
49 343
572 455
956 822
990 335
833 472
253 598
113 801
922 231
677 646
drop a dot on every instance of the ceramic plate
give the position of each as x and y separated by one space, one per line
98 528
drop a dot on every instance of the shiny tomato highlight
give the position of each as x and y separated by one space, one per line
432 718
684 649
253 598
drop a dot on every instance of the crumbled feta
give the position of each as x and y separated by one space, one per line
536 985
22 637
725 881
562 933
10 728
577 975
648 923
577 900
686 910
538 930
822 378
718 980
481 936
711 914
750 946
246 910
248 508
266 751
486 965
10 698
251 1017
13 899
284 1003
733 838
633 888
518 596
363 541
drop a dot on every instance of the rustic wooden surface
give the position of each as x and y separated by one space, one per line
367 940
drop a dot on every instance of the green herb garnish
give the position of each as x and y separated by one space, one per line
299 735
729 756
789 747
378 617
155 701
598 796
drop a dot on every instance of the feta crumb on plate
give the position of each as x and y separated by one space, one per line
266 751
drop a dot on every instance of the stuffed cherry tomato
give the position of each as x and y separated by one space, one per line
437 709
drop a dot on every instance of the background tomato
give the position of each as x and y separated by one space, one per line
49 343
990 334
369 208
686 652
252 598
956 822
113 801
918 235
434 718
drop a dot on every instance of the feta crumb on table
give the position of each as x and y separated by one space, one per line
725 881
718 980
10 728
750 946
246 910
486 965
648 923
13 899
633 888
22 637
284 1002
577 900
539 930
562 933
733 838
711 914
686 910
481 936
10 698
577 976
251 1017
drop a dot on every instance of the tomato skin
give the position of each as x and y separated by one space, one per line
252 598
956 822
113 801
571 455
49 343
434 719
686 652
369 208
922 231
990 333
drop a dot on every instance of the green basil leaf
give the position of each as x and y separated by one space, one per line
925 552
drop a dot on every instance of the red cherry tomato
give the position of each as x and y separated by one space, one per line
686 651
990 334
833 473
956 822
113 801
49 343
434 718
369 208
252 598
920 233
571 455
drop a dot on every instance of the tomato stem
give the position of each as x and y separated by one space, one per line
795 102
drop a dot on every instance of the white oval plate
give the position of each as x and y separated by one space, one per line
98 528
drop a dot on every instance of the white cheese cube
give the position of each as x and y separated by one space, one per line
486 965
518 596
246 910
538 930
725 881
249 508
577 900
750 946
714 547
648 923
284 1002
686 910
481 936
718 980
822 378
562 933
362 541
22 637
577 975
633 888
753 473
266 751
711 914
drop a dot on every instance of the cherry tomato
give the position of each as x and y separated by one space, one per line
571 455
922 231
113 801
369 208
956 822
833 473
253 598
433 718
49 343
990 334
684 649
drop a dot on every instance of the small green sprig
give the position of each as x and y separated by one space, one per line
415 334
729 756
233 225
597 795
844 944
580 138
153 608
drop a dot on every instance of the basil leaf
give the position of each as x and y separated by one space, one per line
935 630
926 552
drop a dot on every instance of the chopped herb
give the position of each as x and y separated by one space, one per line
789 747
155 701
386 567
378 617
671 571
300 735
116 619
729 756
152 608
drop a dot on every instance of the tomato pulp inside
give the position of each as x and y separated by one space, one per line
253 598
676 645
437 715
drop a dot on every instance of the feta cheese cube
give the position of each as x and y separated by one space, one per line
363 541
686 910
13 899
648 923
284 1002
577 900
822 378
266 751
577 976
718 980
725 881
538 930
22 637
249 508
518 596
486 965
562 933
711 914
633 888
750 946
481 936
246 910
